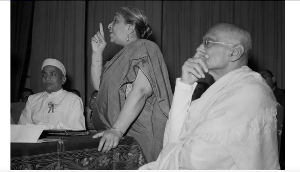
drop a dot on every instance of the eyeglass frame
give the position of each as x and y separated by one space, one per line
206 41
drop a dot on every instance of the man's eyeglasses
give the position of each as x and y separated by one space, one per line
208 43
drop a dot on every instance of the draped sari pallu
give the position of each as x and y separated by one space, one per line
119 73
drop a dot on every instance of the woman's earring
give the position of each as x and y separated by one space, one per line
127 38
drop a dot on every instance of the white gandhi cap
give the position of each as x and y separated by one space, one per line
56 63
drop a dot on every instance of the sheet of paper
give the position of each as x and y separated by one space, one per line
25 133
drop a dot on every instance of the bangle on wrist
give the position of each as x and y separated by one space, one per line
118 130
95 66
96 60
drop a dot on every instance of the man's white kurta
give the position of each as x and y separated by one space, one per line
232 126
58 110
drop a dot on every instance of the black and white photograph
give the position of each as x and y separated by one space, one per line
150 85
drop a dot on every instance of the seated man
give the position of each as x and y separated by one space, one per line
26 92
55 107
232 125
270 79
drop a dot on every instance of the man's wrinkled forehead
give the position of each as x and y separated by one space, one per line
216 33
221 32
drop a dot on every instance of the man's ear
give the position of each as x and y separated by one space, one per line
237 53
64 79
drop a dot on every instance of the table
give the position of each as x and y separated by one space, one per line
76 153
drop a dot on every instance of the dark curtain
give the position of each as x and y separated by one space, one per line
63 30
21 23
186 22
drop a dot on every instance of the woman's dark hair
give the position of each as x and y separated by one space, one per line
137 18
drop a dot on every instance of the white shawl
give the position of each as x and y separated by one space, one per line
232 126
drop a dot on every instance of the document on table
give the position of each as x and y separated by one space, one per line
29 133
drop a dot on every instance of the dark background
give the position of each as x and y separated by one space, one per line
63 29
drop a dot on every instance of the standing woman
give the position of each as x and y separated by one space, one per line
134 92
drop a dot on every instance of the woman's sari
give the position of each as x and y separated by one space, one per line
117 77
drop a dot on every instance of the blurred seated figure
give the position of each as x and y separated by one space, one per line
89 111
271 81
199 90
55 108
75 92
26 92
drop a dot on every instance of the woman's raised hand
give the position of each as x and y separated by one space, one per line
98 41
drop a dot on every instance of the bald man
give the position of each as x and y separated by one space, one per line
55 108
232 126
